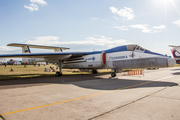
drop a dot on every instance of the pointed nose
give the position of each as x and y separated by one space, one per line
171 62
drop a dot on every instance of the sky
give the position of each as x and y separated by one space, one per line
88 25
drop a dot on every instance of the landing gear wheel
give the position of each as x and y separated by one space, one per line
113 74
94 71
60 68
58 74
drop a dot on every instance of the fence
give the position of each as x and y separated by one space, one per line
134 72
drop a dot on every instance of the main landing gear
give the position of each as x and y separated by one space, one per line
94 72
60 69
113 74
58 74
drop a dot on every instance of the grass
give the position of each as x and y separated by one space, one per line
177 65
19 71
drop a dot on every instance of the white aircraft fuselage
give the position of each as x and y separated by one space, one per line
109 59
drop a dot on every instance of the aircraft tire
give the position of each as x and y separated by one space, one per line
94 71
113 74
58 74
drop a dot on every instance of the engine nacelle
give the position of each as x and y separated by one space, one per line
94 61
98 62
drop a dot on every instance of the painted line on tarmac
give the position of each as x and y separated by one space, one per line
82 97
164 78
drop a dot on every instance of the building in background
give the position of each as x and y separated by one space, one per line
2 60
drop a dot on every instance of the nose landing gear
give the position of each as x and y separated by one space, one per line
113 74
94 72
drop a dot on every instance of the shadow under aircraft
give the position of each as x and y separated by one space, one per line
90 81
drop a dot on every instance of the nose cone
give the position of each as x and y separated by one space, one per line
171 62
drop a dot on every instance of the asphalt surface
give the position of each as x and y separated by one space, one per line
97 97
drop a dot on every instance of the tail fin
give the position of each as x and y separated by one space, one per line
26 49
176 55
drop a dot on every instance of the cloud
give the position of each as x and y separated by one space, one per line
122 27
145 28
159 27
126 12
115 17
44 40
139 26
97 40
33 6
6 49
177 23
94 18
41 2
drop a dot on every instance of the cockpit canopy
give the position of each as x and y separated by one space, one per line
135 48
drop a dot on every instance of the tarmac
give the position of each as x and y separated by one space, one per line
156 95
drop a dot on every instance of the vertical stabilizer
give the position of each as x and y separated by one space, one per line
58 50
26 49
176 55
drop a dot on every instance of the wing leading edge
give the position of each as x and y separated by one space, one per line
44 55
55 56
56 49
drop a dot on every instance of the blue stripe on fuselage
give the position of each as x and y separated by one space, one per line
149 52
112 50
117 49
124 48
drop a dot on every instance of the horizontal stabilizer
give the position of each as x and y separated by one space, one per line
177 48
173 46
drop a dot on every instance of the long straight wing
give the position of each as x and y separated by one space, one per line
56 49
48 56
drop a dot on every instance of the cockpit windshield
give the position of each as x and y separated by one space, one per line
135 47
139 48
131 47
